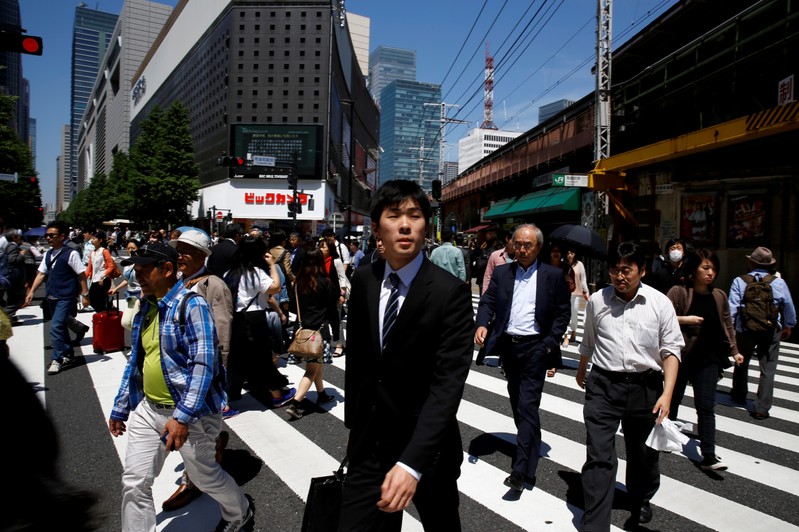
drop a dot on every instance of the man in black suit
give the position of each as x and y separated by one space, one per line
529 301
221 258
408 356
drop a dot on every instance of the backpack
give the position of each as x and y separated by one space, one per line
758 311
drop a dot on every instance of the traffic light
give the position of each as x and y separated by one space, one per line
231 161
436 192
291 179
295 207
15 41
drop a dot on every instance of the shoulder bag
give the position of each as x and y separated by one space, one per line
307 343
323 506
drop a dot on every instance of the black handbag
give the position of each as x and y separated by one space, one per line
323 506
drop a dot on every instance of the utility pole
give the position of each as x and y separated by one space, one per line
602 96
442 141
421 160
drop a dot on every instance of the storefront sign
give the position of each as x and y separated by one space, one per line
273 198
666 189
569 180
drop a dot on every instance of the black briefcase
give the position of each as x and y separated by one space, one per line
323 505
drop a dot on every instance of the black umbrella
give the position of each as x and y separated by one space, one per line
36 231
581 239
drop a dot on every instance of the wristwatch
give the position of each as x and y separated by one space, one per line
85 295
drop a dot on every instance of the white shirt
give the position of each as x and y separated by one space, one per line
98 264
74 261
630 337
253 284
522 308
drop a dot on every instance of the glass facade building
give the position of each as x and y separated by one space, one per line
11 71
410 113
91 35
389 64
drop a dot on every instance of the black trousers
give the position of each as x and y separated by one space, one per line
525 365
436 500
611 398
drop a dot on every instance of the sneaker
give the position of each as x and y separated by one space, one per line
293 411
712 463
54 368
277 402
230 412
67 361
235 526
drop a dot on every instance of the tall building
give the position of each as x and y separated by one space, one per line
359 33
409 131
105 125
389 64
63 196
450 171
480 142
11 81
545 112
269 78
91 35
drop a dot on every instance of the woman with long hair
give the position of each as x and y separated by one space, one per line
98 272
252 279
337 273
704 316
579 294
317 297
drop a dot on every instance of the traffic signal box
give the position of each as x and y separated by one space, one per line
14 41
231 161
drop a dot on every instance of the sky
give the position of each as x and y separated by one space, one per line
551 60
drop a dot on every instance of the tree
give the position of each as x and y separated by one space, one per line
162 174
20 202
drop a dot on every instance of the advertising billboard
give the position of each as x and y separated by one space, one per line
281 141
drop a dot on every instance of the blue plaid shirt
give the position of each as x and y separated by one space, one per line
190 360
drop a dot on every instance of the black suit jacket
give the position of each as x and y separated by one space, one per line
221 258
402 403
552 304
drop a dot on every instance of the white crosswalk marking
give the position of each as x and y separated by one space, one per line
295 452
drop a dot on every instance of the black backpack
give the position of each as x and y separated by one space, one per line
758 311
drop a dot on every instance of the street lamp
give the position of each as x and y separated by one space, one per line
347 101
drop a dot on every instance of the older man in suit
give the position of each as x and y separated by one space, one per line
407 363
529 301
221 258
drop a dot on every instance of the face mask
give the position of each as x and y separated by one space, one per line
675 255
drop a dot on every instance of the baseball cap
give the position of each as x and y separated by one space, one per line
194 237
150 253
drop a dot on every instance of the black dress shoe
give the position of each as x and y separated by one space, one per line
645 514
760 415
515 481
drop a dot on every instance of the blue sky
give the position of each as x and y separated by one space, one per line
556 64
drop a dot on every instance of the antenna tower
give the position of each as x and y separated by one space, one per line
488 94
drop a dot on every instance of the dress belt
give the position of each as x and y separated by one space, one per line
627 376
518 339
160 406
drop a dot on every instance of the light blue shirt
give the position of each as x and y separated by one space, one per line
450 258
782 297
522 308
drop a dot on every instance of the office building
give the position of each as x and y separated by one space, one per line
545 112
409 131
450 171
105 125
11 81
388 64
480 142
268 79
91 35
63 196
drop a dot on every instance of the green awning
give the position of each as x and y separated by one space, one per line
498 209
552 199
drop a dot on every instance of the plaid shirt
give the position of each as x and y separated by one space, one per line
190 360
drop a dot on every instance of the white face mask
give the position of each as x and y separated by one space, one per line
675 255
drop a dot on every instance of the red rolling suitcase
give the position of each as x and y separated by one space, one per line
108 334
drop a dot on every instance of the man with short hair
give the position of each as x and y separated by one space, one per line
529 303
449 257
221 258
406 370
66 278
634 342
355 253
172 394
295 250
763 343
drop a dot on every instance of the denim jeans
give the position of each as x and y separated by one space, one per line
61 311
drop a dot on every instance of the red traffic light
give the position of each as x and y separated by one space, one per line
229 160
14 41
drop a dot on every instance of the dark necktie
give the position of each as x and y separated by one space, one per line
392 307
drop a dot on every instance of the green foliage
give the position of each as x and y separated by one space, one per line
155 184
20 202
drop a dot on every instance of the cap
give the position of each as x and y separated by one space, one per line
150 253
194 237
762 257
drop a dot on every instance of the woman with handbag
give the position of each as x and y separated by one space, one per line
100 270
315 301
337 273
704 316
131 286
252 279
579 295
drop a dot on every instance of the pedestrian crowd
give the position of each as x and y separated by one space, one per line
211 317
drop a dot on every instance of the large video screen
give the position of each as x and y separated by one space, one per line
282 141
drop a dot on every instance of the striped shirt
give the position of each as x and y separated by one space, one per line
192 369
630 337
